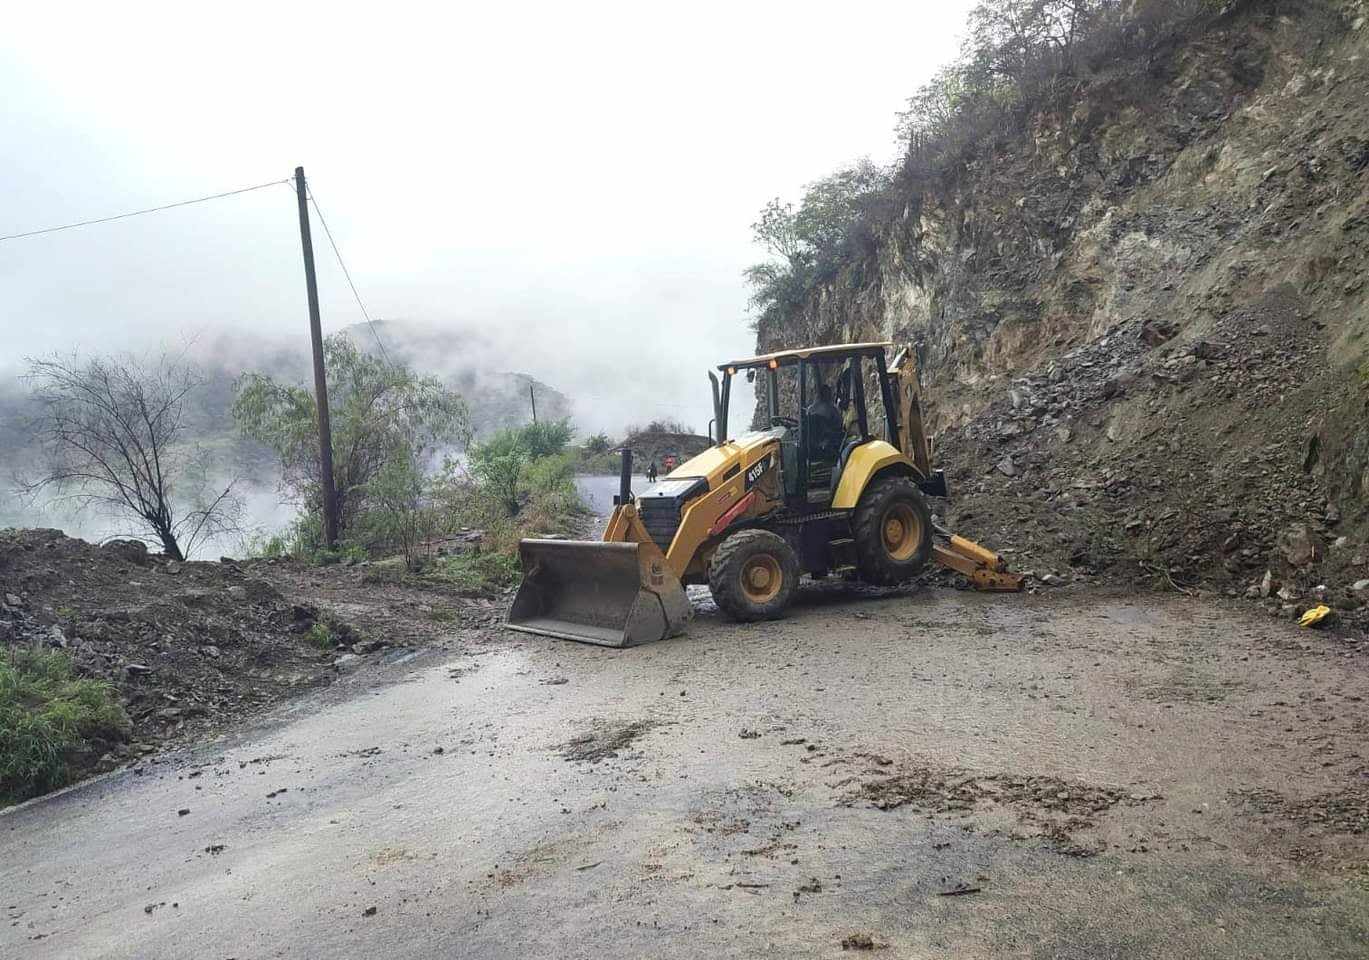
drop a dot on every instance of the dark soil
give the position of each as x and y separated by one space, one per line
193 647
607 740
1181 466
1045 806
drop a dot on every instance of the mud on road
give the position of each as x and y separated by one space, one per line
923 774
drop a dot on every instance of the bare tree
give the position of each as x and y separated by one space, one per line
112 437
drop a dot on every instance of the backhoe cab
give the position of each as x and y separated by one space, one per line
821 488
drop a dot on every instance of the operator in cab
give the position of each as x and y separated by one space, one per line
824 420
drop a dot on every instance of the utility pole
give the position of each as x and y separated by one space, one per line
533 397
325 431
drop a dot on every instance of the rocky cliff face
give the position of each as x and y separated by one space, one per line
1142 325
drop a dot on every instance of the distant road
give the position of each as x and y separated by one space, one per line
600 491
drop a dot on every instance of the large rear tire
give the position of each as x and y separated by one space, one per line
893 531
753 575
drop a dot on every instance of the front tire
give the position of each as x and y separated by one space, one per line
893 531
753 576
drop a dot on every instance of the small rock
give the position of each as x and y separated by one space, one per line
746 734
137 669
1052 580
369 912
438 751
56 637
1360 586
183 811
237 593
1287 594
1267 584
1156 332
348 661
12 600
1005 467
1300 545
172 568
211 651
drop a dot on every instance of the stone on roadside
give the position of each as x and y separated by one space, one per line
1300 545
1006 467
348 661
1361 586
1052 580
1267 584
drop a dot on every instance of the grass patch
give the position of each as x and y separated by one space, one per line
320 636
389 570
474 571
48 718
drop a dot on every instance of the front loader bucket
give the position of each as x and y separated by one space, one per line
597 592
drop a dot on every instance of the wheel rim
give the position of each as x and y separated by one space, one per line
902 532
762 578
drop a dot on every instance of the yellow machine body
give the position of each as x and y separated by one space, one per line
629 587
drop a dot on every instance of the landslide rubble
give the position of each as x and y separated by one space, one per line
187 646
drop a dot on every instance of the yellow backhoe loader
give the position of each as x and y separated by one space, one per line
815 492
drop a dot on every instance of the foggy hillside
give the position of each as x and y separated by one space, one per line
470 364
496 396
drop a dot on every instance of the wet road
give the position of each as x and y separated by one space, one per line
598 492
718 795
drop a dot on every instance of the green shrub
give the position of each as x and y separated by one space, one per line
482 571
48 716
321 637
262 546
500 463
596 444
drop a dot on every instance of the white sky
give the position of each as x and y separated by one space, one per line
576 180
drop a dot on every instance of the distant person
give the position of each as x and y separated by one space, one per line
651 472
669 462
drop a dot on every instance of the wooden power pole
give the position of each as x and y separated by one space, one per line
533 397
325 431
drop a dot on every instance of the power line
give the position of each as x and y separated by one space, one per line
139 213
346 273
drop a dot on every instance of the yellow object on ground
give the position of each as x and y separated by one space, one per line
1314 616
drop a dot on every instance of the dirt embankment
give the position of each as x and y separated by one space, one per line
190 648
